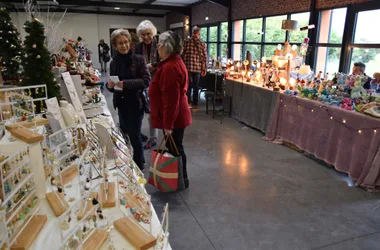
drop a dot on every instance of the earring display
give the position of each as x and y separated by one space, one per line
163 235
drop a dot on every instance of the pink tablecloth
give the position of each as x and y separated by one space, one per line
345 139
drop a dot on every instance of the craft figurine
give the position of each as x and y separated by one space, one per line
376 81
358 90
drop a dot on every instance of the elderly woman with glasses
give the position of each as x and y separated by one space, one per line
167 93
148 48
134 78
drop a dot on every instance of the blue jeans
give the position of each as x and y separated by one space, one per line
130 120
194 85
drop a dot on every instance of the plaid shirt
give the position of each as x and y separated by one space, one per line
194 54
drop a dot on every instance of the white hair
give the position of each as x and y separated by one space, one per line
171 42
119 32
146 25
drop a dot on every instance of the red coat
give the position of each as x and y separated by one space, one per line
167 93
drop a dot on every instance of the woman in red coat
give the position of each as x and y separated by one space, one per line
169 108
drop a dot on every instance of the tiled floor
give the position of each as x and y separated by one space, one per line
246 193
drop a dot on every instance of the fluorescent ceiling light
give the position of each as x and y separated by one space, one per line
206 18
117 8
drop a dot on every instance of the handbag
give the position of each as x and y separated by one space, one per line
166 172
203 64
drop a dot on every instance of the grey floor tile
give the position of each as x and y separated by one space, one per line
367 242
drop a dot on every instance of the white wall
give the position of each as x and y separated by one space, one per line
91 27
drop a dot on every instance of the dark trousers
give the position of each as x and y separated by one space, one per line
130 123
194 78
178 134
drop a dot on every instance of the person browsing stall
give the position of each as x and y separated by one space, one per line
148 48
128 98
167 93
359 69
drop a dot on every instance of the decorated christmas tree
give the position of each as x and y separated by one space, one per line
10 47
37 60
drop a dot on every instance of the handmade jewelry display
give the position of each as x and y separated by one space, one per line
163 235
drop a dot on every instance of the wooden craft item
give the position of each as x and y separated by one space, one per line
69 174
108 200
141 205
56 204
83 211
96 240
30 232
3 158
134 233
26 135
37 121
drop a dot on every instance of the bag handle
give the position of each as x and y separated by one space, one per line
160 150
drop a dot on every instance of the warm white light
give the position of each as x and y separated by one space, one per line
264 59
243 72
283 81
279 47
206 18
331 117
289 56
117 8
294 47
292 82
375 131
360 131
344 121
312 110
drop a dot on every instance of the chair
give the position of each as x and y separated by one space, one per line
218 93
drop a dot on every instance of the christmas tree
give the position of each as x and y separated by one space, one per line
37 62
10 47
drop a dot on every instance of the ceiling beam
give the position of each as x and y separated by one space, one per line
58 9
224 3
147 2
87 3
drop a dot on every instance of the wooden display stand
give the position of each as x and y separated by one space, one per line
84 210
108 200
134 233
56 204
38 121
30 232
69 174
96 240
27 135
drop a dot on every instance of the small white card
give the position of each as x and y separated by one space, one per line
115 79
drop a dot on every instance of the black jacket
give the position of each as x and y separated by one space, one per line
132 70
106 50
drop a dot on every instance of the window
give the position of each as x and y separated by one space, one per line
254 30
237 52
273 31
215 37
269 51
223 32
303 20
204 34
366 42
238 31
330 36
255 50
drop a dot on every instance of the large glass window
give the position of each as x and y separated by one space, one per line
269 51
254 49
237 52
330 36
303 20
254 30
213 34
212 51
224 32
238 31
273 31
204 34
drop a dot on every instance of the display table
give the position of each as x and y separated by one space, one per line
252 104
345 139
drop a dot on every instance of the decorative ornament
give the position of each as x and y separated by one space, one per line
10 32
38 57
34 46
7 41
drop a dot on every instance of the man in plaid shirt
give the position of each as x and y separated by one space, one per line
195 57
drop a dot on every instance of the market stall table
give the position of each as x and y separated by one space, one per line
345 139
251 104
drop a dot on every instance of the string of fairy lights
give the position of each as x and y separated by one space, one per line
343 122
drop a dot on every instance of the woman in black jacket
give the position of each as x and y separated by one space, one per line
128 97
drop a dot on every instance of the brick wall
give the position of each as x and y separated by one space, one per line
215 13
246 9
322 4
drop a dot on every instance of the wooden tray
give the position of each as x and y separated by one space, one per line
144 207
89 206
56 204
26 135
96 240
30 232
37 121
111 198
134 233
69 174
